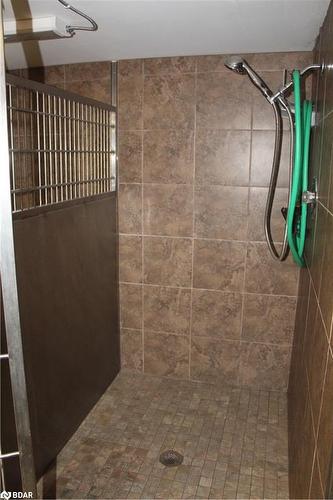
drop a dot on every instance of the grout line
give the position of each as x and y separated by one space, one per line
242 315
213 129
325 208
206 185
243 439
193 222
258 242
230 292
316 429
142 223
319 308
295 311
212 337
306 314
246 254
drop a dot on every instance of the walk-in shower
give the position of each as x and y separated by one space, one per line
299 118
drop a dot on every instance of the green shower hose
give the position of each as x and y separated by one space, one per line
297 210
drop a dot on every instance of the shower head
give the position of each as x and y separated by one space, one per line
235 63
240 66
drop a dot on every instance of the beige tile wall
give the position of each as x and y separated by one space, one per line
311 376
201 297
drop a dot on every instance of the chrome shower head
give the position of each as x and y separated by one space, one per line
240 66
235 63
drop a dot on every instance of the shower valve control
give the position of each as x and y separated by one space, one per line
309 197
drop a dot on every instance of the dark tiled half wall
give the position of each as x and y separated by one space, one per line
201 297
310 397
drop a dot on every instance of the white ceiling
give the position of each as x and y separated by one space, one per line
156 28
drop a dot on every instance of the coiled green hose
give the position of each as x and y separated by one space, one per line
297 210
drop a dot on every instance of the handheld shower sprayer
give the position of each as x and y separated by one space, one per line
280 104
240 66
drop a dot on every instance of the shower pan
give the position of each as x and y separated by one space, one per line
299 117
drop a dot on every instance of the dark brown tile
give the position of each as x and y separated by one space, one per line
325 433
295 377
166 355
169 101
168 210
316 365
325 162
297 407
326 287
130 258
223 101
300 472
267 275
330 198
222 157
297 401
221 212
216 314
130 156
167 65
130 306
268 318
310 325
215 360
316 490
168 156
100 90
131 349
318 79
130 102
87 71
167 309
324 95
264 365
310 234
257 205
130 208
168 261
219 265
321 234
262 158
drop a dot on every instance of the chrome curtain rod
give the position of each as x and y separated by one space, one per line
71 29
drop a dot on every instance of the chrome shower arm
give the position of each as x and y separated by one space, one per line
71 29
286 88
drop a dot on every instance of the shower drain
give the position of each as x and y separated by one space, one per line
170 458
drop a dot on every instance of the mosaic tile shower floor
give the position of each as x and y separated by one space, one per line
234 443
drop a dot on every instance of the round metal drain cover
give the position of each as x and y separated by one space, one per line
170 458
